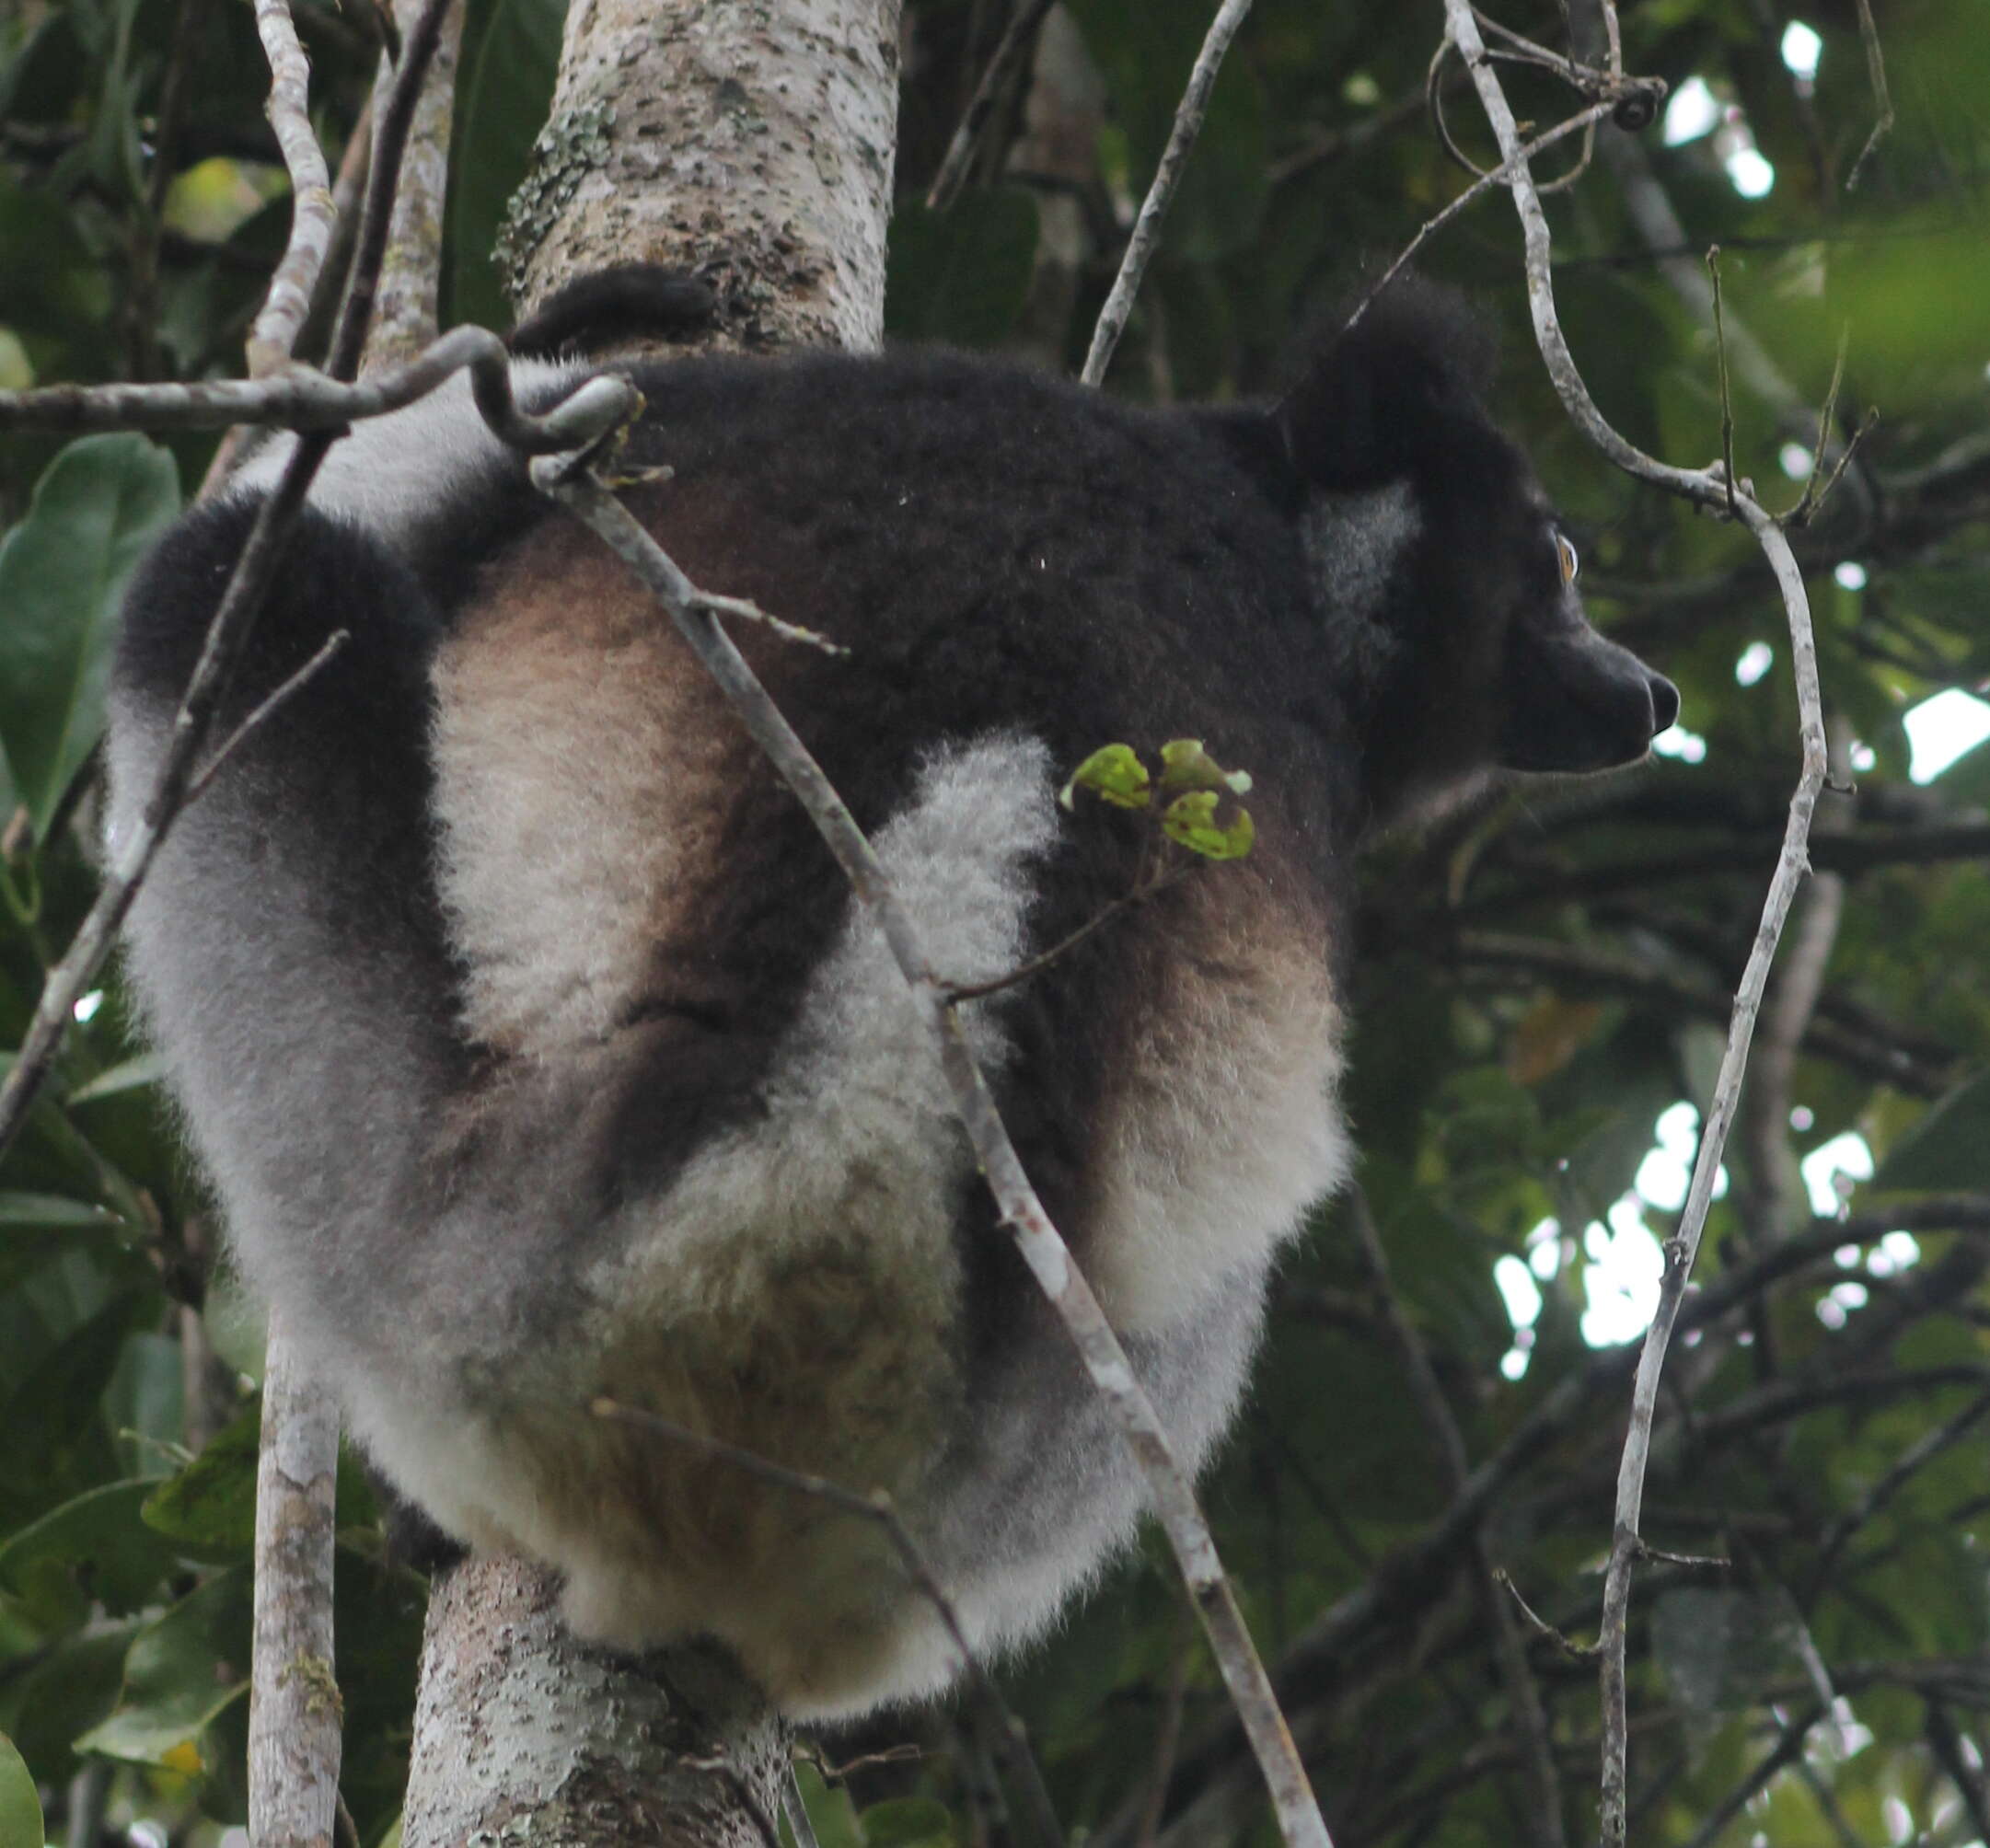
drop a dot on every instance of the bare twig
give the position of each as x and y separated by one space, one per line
1510 1652
311 214
1971 1785
1910 1461
1876 73
1167 1739
300 398
1021 1211
1704 487
1786 1751
1146 234
876 1507
132 857
1575 1651
293 684
1813 495
1146 884
1016 39
1792 1005
1727 398
1496 176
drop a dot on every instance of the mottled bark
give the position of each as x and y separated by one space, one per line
750 143
520 1732
294 1710
404 312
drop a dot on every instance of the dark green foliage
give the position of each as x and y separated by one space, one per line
1539 981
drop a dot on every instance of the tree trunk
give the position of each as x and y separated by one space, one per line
521 1732
752 144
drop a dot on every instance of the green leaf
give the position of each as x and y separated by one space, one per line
501 105
961 275
907 1823
1947 1147
1112 772
831 1811
182 1673
20 1808
1190 821
96 1544
63 573
1185 765
129 1075
27 1213
210 1506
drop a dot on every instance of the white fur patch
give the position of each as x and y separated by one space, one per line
1355 546
393 472
1225 1132
860 1134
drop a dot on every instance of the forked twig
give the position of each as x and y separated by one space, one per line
1146 236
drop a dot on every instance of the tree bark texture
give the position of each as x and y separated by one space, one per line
751 144
521 1732
293 1708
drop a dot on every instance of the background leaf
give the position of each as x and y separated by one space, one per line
63 573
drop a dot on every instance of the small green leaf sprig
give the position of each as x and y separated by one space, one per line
1199 811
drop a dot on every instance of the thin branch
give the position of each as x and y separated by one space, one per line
1021 1211
1946 1743
1727 398
1146 234
1146 884
1910 1461
1786 1751
311 213
876 1507
1575 1651
228 635
1792 1005
1167 1741
393 123
259 716
1509 1651
1876 74
1614 973
1485 183
1016 39
302 398
1705 488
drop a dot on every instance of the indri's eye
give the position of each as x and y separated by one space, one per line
1566 552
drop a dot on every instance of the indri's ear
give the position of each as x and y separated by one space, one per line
1392 395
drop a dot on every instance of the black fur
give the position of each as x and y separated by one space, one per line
631 302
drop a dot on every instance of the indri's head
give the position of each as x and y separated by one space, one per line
1437 564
